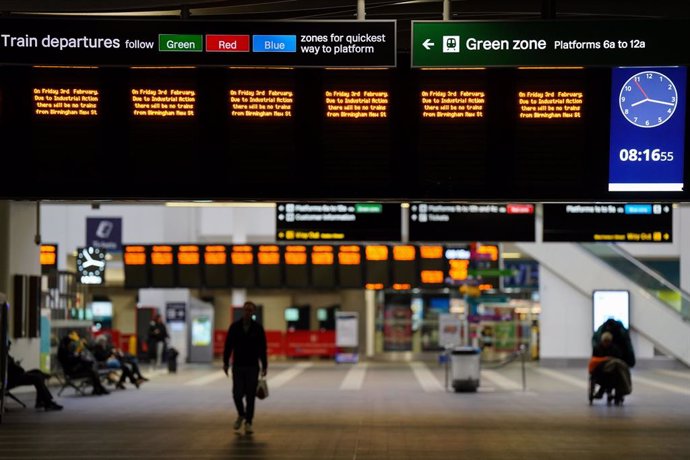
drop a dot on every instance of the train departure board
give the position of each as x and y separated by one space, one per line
336 222
609 222
329 111
471 222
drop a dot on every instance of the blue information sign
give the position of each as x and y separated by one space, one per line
647 129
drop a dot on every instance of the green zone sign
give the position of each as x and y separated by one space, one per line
549 43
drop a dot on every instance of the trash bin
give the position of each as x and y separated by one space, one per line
172 360
464 364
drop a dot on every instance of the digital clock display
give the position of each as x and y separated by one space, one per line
647 129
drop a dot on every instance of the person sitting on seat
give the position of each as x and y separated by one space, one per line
107 358
75 363
17 376
609 370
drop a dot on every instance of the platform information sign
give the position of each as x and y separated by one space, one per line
56 41
557 43
338 222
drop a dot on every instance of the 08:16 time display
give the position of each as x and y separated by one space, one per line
645 155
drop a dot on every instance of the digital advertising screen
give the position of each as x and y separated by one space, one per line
610 304
647 129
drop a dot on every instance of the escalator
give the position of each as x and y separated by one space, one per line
660 311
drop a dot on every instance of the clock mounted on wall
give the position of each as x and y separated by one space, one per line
648 99
91 265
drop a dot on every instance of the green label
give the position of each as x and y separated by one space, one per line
490 272
557 43
369 208
184 43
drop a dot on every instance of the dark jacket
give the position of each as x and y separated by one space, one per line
246 348
157 332
621 339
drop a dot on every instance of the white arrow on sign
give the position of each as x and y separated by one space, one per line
428 44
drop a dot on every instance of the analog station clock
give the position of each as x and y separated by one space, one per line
648 99
91 265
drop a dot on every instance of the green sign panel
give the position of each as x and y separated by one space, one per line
490 272
179 42
550 43
370 208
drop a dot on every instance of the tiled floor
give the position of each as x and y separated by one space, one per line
384 411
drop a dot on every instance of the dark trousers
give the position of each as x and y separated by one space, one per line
244 382
38 380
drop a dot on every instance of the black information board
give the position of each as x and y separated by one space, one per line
130 42
471 222
609 222
337 222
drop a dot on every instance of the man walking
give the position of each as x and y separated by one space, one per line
246 343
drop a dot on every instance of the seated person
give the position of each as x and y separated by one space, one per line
17 376
107 358
609 370
76 362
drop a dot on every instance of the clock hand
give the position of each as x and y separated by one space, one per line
639 102
661 102
92 262
638 85
86 254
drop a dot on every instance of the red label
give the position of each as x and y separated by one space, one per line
520 209
227 43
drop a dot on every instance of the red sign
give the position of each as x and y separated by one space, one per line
520 209
227 43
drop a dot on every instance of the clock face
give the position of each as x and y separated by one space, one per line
91 265
648 99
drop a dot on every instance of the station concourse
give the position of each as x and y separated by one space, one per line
486 190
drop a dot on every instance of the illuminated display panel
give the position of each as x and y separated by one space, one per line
163 102
48 258
261 103
452 123
350 272
431 222
552 135
404 266
189 273
61 125
216 270
608 222
323 267
484 261
242 265
259 127
338 221
162 267
136 266
431 259
163 131
66 102
355 142
296 269
377 266
270 270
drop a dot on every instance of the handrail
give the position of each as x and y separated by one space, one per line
596 250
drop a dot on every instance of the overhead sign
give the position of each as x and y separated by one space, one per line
471 222
609 222
592 43
39 41
105 233
338 222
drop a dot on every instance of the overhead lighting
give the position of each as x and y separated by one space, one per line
217 204
512 255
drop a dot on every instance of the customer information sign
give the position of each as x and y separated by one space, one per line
557 43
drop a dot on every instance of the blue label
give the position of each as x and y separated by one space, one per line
647 129
274 43
104 232
638 208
